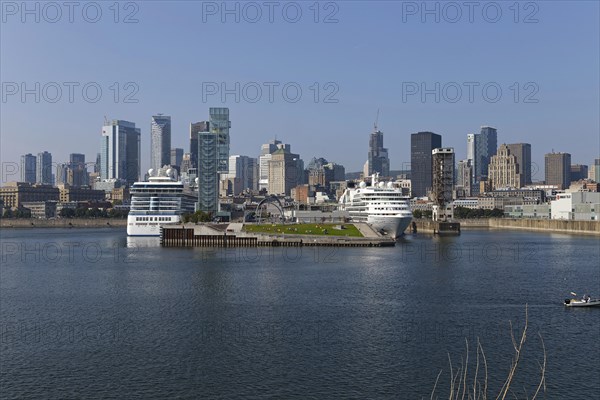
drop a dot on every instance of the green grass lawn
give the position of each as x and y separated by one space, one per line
305 229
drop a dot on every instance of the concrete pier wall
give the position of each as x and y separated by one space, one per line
63 223
544 225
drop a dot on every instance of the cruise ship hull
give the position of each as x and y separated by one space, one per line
147 228
393 226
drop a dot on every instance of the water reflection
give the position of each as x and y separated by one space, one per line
143 241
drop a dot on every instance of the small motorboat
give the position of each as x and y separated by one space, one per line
585 301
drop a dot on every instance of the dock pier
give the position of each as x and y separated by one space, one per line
224 236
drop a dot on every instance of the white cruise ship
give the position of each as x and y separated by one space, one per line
157 202
382 205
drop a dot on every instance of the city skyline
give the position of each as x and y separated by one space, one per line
521 150
564 117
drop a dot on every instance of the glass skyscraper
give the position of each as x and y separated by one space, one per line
213 159
43 173
486 145
523 153
195 129
219 126
120 152
160 141
378 160
421 145
28 168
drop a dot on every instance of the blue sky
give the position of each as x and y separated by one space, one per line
370 57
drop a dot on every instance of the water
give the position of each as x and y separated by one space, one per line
92 314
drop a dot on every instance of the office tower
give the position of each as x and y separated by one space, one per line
43 173
464 177
213 159
242 168
322 172
522 151
263 161
160 141
558 169
442 177
471 142
195 129
334 172
316 172
503 171
97 164
186 163
263 175
579 172
28 168
77 174
378 159
594 170
208 172
284 172
253 173
62 173
421 145
176 157
486 143
120 151
219 126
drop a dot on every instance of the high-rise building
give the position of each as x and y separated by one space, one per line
176 157
98 162
195 129
213 158
77 174
378 155
120 151
442 160
579 172
464 178
28 168
322 172
471 138
522 151
263 174
558 169
219 126
594 170
503 171
186 163
253 173
208 172
421 145
263 161
243 168
284 172
62 173
160 141
43 173
486 144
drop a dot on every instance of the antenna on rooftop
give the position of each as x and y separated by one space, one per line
376 121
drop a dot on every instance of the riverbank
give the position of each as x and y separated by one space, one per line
423 225
540 225
63 223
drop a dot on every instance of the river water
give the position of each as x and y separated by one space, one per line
92 314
